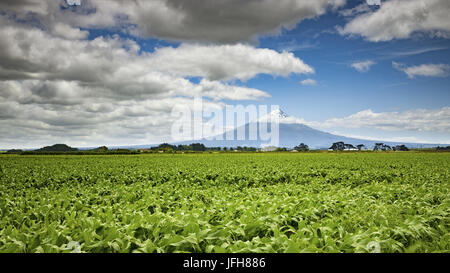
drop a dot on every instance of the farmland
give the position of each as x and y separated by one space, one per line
255 202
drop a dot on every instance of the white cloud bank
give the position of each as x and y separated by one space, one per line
400 19
404 139
433 120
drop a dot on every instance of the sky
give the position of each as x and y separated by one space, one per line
96 72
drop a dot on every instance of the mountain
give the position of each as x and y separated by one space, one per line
292 134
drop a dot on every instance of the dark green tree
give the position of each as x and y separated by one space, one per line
302 147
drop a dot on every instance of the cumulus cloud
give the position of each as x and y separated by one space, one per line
218 62
236 21
222 21
68 32
309 82
425 70
433 120
55 85
32 53
363 66
399 19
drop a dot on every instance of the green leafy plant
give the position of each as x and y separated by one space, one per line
268 202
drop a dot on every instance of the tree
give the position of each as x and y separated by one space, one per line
361 147
165 147
337 146
198 147
378 146
382 147
401 148
302 147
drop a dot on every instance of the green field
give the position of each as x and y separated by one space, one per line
273 202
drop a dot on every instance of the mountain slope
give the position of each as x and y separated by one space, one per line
292 134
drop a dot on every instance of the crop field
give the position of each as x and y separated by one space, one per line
255 202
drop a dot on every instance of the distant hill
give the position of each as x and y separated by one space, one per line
57 148
102 149
14 151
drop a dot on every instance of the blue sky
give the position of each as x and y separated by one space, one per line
342 91
75 74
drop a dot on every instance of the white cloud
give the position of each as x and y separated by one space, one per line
201 20
412 139
236 21
35 54
425 70
403 139
411 52
68 32
363 66
225 62
434 120
56 86
309 82
399 19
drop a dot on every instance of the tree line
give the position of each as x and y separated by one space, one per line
199 147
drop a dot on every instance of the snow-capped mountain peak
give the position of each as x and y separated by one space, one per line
280 114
